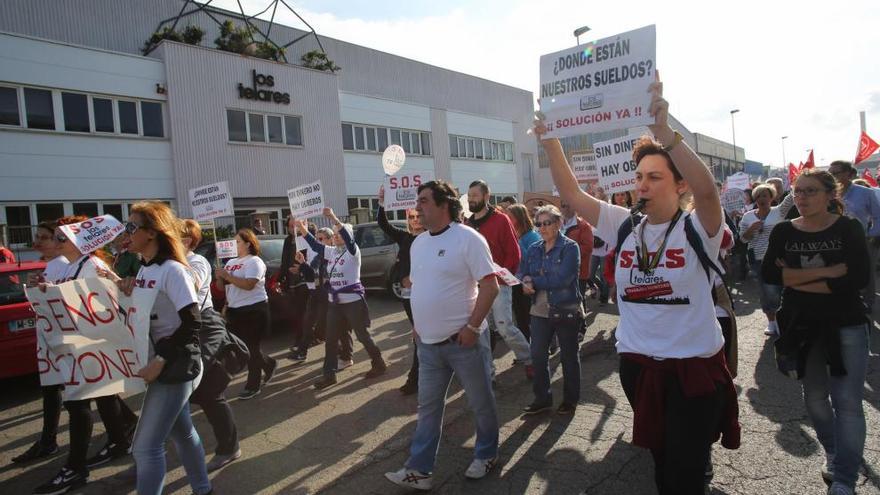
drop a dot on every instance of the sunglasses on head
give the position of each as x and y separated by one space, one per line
131 228
545 223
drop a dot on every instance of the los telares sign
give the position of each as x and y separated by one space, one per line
254 93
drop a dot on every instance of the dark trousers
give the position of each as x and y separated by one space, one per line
522 304
51 414
314 321
413 376
250 324
296 301
116 422
210 397
341 319
691 423
543 333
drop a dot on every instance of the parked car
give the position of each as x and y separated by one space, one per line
18 339
378 255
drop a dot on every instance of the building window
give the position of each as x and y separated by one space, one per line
102 108
453 146
395 136
128 121
275 128
88 209
357 137
18 219
382 135
255 122
235 122
359 143
426 143
76 112
371 139
115 210
151 115
39 109
347 139
480 149
293 130
47 212
9 106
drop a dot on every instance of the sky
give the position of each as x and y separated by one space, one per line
799 69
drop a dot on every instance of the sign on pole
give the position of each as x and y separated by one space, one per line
306 201
392 159
92 338
211 201
226 249
402 191
584 166
739 180
94 233
599 86
614 159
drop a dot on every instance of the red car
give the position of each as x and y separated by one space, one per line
18 340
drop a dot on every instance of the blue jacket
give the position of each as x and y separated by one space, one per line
556 271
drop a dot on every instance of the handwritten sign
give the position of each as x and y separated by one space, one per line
392 159
599 86
307 200
505 275
226 249
402 191
92 338
94 233
211 201
739 180
614 160
584 166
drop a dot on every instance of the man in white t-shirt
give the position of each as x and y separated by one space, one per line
453 288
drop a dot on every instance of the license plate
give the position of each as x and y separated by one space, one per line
20 325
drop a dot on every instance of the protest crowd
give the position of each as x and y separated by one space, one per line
471 275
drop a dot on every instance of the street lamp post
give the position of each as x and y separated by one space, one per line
784 164
579 31
733 128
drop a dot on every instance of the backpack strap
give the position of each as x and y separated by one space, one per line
696 242
624 231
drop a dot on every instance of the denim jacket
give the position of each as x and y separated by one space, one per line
556 271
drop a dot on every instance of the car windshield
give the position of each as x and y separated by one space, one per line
270 251
12 286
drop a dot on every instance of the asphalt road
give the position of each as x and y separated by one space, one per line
341 440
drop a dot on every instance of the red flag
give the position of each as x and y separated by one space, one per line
792 173
867 147
867 176
800 167
810 163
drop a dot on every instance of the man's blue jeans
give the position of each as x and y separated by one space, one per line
834 403
437 364
542 335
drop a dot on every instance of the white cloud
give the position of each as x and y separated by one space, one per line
801 69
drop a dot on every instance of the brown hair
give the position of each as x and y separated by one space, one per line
523 220
159 218
831 186
190 228
248 236
71 219
646 146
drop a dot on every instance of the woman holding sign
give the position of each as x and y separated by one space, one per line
175 368
672 363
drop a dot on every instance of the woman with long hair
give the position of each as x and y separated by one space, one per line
404 239
154 232
821 260
247 307
624 199
526 236
672 363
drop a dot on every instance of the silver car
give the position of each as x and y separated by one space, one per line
378 254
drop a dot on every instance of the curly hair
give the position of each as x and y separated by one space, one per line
443 192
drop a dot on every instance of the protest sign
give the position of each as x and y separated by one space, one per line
301 243
92 338
505 275
306 201
584 166
614 160
211 201
739 180
599 86
733 200
94 233
226 249
392 159
402 191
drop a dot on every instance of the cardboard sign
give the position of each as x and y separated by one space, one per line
226 249
739 180
211 201
599 86
392 159
94 233
614 160
584 166
402 191
733 200
92 338
306 201
505 275
301 243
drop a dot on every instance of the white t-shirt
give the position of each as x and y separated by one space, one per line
600 250
310 256
343 269
90 265
177 290
55 270
761 239
202 270
249 267
444 273
669 314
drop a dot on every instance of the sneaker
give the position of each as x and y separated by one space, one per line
220 460
64 481
269 373
530 372
566 409
325 381
772 329
479 468
344 363
110 452
535 408
36 451
840 489
378 369
409 388
410 478
299 356
248 394
553 350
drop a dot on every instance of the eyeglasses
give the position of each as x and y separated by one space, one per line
805 192
545 223
131 228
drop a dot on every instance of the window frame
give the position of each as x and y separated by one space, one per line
265 119
19 104
384 136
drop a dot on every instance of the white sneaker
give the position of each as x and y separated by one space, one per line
342 364
410 478
772 329
479 468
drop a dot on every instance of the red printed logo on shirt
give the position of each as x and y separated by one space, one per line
145 284
674 259
234 268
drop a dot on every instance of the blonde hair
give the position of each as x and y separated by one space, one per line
159 218
766 187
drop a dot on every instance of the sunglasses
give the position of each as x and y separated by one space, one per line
131 228
60 237
545 223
